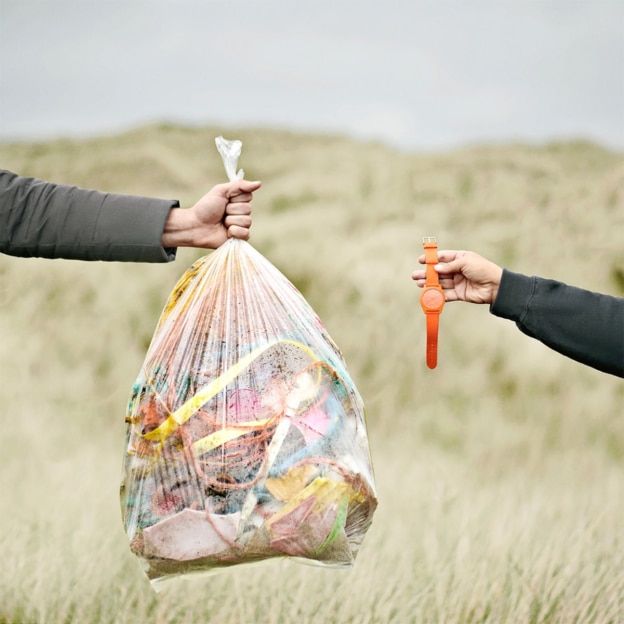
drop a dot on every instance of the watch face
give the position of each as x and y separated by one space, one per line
432 298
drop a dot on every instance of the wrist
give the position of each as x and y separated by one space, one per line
493 295
496 274
178 230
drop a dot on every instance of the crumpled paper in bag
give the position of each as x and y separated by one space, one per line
246 436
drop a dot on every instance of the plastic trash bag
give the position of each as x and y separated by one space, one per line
246 436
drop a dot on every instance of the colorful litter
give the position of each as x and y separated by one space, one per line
246 436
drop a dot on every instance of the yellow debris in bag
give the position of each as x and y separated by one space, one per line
246 436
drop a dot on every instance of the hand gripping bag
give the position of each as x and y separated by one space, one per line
246 436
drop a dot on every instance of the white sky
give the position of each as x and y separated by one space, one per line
417 74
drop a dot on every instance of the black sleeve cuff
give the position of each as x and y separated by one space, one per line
514 294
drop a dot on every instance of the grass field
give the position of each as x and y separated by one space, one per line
500 474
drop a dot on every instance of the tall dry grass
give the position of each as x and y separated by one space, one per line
500 474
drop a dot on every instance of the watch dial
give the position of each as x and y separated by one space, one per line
432 298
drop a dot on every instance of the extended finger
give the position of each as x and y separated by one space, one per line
444 255
446 283
448 255
441 269
419 274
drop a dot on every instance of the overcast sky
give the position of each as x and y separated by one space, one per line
417 74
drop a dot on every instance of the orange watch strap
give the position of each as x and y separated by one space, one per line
431 259
432 339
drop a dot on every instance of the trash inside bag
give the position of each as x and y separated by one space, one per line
246 437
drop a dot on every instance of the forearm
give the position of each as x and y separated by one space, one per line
583 325
42 219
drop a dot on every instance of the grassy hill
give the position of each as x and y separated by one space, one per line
500 474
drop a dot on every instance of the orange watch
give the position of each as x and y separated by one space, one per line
432 300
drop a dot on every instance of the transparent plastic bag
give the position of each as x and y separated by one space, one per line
246 436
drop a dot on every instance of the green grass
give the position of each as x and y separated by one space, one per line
500 474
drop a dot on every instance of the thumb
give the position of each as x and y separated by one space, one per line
228 190
238 187
447 268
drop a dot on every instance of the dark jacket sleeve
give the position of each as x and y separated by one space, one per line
46 220
583 325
